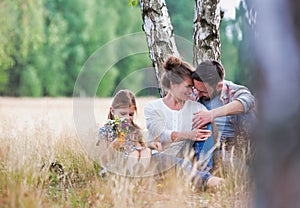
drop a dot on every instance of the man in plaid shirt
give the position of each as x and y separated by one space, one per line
231 106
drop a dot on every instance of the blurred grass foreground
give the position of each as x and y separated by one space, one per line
43 164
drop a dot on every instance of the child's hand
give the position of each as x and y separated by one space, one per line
115 144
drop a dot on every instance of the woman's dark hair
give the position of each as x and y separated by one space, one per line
176 71
210 71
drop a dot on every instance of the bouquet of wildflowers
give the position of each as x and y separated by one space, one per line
121 130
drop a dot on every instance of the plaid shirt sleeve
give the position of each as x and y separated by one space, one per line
233 92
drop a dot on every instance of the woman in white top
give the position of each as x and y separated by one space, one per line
169 119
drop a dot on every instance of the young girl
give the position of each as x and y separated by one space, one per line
122 134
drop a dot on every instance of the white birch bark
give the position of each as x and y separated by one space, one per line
206 35
159 34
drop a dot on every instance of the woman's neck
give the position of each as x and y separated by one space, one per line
173 102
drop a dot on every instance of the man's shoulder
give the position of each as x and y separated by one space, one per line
231 89
233 86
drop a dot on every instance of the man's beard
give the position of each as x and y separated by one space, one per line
212 96
204 98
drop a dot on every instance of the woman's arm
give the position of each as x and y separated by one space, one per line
156 124
195 135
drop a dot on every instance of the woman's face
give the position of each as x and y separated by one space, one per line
183 90
124 112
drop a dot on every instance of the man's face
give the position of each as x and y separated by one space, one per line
205 91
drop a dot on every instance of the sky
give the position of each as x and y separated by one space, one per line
229 7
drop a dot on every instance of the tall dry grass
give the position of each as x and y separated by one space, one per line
44 164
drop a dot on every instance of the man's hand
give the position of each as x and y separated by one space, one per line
202 118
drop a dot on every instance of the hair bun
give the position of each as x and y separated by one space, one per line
172 62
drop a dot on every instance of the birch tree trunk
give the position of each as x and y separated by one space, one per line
207 31
159 34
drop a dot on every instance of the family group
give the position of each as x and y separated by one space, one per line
200 114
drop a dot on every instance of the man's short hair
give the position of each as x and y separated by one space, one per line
210 71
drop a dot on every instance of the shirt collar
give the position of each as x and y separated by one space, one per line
224 97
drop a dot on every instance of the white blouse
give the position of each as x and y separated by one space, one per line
161 121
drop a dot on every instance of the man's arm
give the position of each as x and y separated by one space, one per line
203 117
242 94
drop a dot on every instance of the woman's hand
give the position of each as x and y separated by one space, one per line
196 135
155 145
200 134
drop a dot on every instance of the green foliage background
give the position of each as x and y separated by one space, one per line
45 43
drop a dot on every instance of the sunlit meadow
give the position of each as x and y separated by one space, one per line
43 164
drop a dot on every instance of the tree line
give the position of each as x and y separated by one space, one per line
45 43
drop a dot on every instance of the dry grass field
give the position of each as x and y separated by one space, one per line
45 162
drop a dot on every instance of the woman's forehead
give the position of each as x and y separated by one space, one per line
188 80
